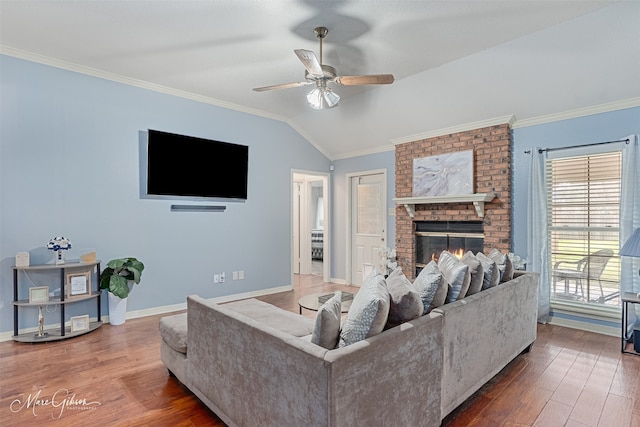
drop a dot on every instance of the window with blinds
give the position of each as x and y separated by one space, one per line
583 218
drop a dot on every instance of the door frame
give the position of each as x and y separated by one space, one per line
309 176
349 235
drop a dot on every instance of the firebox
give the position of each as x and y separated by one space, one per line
457 237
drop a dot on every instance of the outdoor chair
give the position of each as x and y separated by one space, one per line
587 268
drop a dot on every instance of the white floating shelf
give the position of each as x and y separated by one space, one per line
478 200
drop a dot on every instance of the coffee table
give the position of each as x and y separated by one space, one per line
314 301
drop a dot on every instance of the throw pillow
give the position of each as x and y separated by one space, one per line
369 310
509 269
431 287
490 268
404 302
504 265
476 271
456 274
327 327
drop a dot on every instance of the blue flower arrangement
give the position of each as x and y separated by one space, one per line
58 244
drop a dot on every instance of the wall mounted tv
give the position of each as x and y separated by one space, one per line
185 166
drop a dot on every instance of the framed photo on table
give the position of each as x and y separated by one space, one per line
39 294
79 323
78 284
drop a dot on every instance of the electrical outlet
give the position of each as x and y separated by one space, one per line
216 278
241 275
222 277
235 275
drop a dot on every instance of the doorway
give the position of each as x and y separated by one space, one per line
311 225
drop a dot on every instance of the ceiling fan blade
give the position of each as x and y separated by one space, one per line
310 62
373 79
281 86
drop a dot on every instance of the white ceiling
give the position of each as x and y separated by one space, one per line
455 62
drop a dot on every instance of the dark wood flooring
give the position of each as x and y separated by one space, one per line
114 377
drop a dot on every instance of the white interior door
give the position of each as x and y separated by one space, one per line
368 195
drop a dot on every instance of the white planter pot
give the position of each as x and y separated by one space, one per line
117 309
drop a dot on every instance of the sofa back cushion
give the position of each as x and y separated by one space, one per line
327 326
431 287
490 270
404 302
476 271
456 274
504 265
369 311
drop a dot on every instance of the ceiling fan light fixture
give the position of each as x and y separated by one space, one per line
320 74
322 97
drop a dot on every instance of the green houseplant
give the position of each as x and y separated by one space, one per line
119 272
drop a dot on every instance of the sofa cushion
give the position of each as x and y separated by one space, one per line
490 270
456 274
275 317
431 287
476 272
509 270
504 265
173 330
404 301
369 311
326 330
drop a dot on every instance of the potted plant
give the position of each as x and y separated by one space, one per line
118 279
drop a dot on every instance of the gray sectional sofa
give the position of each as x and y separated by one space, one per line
249 362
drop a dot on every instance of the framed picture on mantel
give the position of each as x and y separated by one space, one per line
448 174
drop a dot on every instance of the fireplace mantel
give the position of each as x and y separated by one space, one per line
478 200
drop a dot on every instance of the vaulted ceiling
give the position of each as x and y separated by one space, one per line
454 62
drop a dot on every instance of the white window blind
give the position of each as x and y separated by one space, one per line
583 217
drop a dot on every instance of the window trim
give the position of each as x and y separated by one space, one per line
583 309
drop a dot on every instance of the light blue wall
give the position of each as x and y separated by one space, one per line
595 128
583 130
384 160
69 166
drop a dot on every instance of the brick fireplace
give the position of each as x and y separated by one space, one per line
492 173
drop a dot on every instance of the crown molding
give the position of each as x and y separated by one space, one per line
70 66
580 112
456 129
375 150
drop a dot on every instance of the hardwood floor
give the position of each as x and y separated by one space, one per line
114 377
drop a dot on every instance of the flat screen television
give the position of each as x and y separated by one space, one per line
189 167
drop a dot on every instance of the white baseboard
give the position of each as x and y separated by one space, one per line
7 336
585 326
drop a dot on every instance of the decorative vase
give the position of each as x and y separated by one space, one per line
117 309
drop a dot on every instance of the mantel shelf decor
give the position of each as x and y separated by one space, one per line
478 200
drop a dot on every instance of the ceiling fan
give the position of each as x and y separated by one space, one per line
320 74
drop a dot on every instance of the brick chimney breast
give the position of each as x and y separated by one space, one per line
492 172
